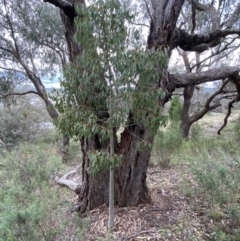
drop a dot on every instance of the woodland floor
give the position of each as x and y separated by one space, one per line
171 216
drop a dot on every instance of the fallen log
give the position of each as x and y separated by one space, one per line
76 187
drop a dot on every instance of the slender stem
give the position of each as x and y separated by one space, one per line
111 174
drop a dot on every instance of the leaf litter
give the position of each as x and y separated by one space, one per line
171 215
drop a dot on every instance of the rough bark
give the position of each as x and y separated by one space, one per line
68 14
187 95
190 79
94 190
130 177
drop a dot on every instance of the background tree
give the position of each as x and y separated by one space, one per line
198 20
32 45
23 121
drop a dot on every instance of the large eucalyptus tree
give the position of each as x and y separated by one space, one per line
166 33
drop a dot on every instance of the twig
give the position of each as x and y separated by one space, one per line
18 93
136 234
154 172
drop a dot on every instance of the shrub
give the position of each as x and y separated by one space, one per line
28 204
216 174
22 121
196 131
175 109
167 142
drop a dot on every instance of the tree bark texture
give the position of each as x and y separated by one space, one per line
187 94
94 190
130 176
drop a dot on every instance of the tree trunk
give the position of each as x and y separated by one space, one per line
185 129
94 188
187 94
130 176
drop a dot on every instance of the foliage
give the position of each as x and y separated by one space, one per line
108 74
102 160
214 167
6 86
28 204
196 131
22 121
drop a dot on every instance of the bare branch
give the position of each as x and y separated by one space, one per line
211 10
200 42
189 79
140 24
69 183
19 93
230 106
66 6
12 69
148 10
208 107
225 47
234 17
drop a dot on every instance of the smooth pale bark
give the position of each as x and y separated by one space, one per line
69 183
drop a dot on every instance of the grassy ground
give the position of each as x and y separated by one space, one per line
195 194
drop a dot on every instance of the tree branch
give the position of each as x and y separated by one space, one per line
230 106
200 42
148 10
66 6
234 17
208 107
211 10
235 78
19 93
219 51
189 79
